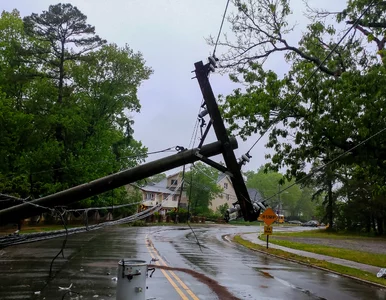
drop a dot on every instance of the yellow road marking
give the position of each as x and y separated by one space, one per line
180 281
184 286
178 290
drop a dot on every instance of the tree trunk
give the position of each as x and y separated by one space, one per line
380 225
373 224
330 213
61 74
368 224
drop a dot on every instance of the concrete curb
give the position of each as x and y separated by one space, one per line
305 264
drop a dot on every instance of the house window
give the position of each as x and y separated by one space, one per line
225 185
227 197
175 197
149 196
173 182
165 196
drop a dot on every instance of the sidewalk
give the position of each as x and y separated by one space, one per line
252 237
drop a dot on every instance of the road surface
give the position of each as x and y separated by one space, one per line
221 269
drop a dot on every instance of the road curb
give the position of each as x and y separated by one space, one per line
306 264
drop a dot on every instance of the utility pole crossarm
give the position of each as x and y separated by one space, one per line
248 211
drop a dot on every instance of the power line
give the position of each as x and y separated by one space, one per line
313 73
219 32
325 165
195 128
35 237
95 162
170 149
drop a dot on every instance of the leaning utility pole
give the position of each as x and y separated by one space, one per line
233 168
98 186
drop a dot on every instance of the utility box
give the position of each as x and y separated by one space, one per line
131 279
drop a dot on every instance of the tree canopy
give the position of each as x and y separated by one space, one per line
296 202
202 188
314 117
65 99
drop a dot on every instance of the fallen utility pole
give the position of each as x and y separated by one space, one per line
247 208
110 182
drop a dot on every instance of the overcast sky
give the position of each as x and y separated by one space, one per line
171 35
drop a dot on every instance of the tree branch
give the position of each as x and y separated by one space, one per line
368 24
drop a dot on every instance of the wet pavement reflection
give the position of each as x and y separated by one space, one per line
91 261
251 275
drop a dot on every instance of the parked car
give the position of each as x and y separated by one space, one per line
311 223
295 222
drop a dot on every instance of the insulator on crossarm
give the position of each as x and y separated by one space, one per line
203 113
245 158
213 61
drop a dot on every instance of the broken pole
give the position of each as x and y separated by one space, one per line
101 185
232 165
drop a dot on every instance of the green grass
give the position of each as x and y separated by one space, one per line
313 262
373 259
323 233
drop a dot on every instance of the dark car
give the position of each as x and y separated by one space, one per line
311 224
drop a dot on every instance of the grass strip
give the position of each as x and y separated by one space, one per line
373 259
347 271
323 233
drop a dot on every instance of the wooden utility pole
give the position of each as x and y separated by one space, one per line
101 185
233 167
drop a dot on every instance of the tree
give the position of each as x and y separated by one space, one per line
47 146
338 108
271 183
61 26
221 210
157 178
202 188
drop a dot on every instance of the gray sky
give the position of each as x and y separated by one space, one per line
170 34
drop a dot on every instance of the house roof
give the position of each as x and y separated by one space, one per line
155 189
163 183
174 174
254 195
221 176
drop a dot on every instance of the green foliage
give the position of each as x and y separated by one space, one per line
316 118
210 215
222 209
157 178
64 110
202 188
270 183
183 215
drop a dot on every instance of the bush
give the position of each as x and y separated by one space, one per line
182 215
210 215
138 223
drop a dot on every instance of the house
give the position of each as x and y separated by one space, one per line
228 194
173 182
167 192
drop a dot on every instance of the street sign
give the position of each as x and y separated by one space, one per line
268 230
268 216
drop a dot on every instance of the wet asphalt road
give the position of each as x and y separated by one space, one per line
91 260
